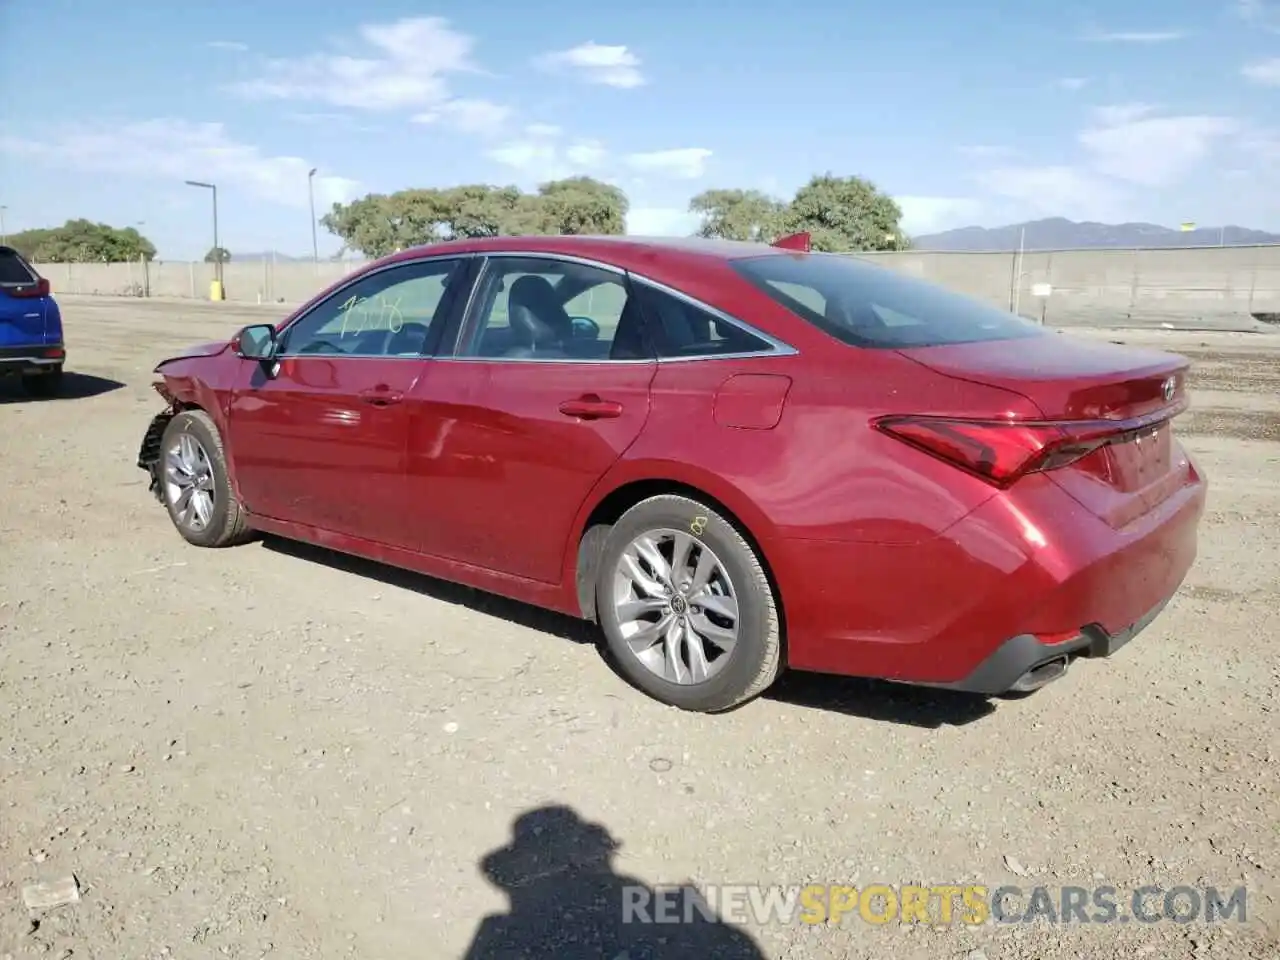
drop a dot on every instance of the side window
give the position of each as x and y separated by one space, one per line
687 330
530 308
386 314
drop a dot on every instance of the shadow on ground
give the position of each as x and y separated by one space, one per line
869 699
567 902
522 614
74 386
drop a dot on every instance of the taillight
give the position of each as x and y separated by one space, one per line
40 288
1001 451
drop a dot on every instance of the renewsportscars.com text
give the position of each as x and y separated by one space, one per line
968 904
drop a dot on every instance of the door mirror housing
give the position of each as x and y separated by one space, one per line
584 328
256 342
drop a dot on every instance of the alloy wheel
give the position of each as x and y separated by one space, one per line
675 606
189 482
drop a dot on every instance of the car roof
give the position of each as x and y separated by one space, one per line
623 251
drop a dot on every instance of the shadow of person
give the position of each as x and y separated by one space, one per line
568 903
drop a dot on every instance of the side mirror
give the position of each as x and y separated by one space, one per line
584 328
257 342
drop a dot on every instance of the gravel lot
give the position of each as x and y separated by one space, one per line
275 751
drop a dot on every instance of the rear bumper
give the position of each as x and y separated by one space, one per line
34 359
1025 662
1027 578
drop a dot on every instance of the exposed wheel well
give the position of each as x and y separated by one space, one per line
611 508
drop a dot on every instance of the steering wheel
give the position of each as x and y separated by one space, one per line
584 328
322 346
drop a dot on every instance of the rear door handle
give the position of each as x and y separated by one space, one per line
591 407
381 396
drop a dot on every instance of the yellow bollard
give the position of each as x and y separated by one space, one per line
215 290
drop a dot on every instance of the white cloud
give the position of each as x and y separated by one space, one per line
177 150
1134 36
661 222
1073 83
1120 113
543 153
233 45
1260 13
469 116
687 163
1055 191
985 151
411 59
1131 145
921 215
1265 72
544 157
1127 146
612 66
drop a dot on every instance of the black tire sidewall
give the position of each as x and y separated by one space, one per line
727 687
188 422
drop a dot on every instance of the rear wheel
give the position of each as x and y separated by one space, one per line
43 384
194 483
686 608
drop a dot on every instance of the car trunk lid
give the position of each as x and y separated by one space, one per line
1118 401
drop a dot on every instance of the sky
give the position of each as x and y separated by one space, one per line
984 112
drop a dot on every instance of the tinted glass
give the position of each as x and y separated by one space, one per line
684 329
529 308
13 270
869 306
386 314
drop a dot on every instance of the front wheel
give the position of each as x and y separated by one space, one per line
687 610
194 482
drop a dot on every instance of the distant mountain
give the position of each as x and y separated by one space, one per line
1060 234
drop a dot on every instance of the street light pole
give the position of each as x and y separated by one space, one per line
4 235
217 249
311 196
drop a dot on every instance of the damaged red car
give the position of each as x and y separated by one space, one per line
735 458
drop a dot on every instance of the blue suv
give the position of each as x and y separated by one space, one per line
30 326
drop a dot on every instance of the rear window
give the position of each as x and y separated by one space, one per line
869 306
13 271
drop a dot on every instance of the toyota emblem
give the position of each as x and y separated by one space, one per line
1168 388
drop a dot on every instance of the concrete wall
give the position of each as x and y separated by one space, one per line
1215 287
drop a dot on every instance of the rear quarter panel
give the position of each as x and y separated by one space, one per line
823 472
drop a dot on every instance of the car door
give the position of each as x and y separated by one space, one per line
318 436
547 387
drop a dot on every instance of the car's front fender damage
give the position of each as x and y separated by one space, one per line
149 453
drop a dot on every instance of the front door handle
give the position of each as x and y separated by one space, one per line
591 407
381 396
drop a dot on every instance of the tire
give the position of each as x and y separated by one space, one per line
755 658
224 525
44 384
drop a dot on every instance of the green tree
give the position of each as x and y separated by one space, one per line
83 241
217 254
379 224
581 205
738 215
845 214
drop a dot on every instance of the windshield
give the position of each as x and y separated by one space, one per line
869 306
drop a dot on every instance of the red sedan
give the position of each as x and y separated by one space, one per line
735 458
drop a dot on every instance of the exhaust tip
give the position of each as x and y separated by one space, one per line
1041 675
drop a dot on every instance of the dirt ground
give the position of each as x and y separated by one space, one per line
272 751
